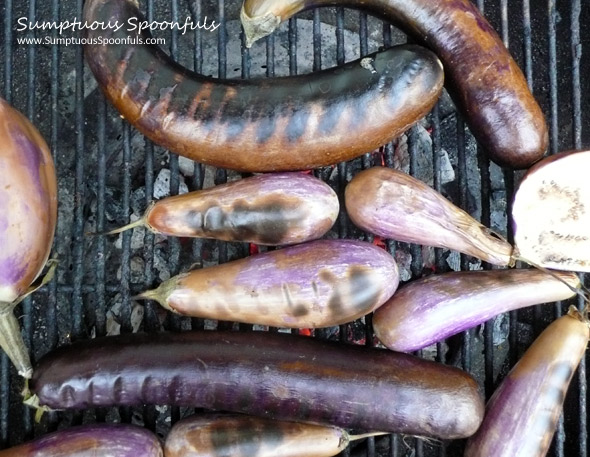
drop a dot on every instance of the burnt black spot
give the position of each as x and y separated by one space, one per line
297 125
363 291
194 219
246 438
335 302
235 127
214 219
300 311
266 128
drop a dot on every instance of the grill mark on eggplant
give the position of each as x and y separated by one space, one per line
214 125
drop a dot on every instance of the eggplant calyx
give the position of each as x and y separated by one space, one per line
52 266
32 401
161 293
256 28
582 316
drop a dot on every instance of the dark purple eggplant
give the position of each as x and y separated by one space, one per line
214 435
28 213
522 414
98 440
270 209
431 309
316 284
278 376
278 124
483 78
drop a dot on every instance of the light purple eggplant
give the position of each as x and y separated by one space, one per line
316 284
431 309
104 440
270 209
522 414
397 206
28 213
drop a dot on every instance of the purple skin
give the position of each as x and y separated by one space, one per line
270 209
316 284
431 309
522 415
104 440
274 375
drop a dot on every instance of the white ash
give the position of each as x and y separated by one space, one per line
404 263
162 184
186 167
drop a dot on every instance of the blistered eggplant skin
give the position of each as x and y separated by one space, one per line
395 205
522 415
278 124
431 309
212 435
28 203
104 440
279 376
272 209
483 78
316 284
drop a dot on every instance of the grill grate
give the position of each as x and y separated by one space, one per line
103 164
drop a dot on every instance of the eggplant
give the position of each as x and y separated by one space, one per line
213 435
484 80
431 309
278 124
273 375
394 205
271 209
551 214
28 214
522 414
104 440
316 284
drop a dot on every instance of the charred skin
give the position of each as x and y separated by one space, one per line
536 389
395 205
279 376
311 285
212 435
28 214
431 309
273 209
104 440
484 80
291 123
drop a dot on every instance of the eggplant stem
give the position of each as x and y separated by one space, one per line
52 266
366 435
32 401
581 290
138 223
11 341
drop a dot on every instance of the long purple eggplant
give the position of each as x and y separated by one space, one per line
270 209
431 309
104 440
395 205
278 376
316 284
522 414
224 435
28 213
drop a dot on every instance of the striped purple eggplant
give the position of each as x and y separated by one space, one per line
274 375
271 209
522 415
104 440
28 213
395 205
215 435
551 214
431 309
316 284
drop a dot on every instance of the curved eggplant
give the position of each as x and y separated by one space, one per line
431 309
395 205
104 440
484 80
272 209
28 213
551 215
291 123
522 414
317 284
274 375
214 435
